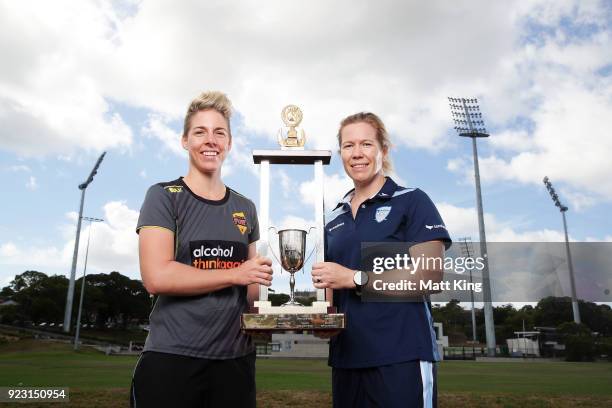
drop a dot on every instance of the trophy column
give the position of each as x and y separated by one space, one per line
264 218
319 209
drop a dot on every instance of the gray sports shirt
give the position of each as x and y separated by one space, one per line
208 235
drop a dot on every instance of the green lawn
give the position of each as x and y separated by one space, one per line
99 380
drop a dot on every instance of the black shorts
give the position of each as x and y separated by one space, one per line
171 380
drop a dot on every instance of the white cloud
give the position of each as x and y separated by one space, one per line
114 243
108 55
19 167
49 101
113 246
157 127
512 140
143 174
60 87
463 222
240 156
578 201
286 183
32 184
335 187
607 238
9 249
72 216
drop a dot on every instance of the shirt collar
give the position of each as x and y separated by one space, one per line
385 193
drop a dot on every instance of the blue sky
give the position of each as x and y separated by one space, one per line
117 76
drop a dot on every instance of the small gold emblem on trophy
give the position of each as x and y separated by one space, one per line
292 116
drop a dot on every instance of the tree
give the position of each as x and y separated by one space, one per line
121 299
278 299
108 298
579 341
40 297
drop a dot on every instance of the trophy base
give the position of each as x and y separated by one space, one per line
319 318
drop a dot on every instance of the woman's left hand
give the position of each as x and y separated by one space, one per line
332 275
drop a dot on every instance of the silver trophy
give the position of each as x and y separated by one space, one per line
320 316
292 251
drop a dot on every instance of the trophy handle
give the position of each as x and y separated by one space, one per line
279 137
313 249
272 249
301 138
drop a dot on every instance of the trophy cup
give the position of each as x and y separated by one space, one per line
292 247
320 316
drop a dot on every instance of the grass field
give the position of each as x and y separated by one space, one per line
96 380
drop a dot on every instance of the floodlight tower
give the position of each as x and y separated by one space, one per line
467 250
78 322
70 294
469 123
563 209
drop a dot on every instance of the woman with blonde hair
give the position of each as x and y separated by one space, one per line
385 357
197 255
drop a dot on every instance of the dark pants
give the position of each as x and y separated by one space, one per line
170 380
408 385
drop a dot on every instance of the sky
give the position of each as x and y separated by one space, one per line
80 78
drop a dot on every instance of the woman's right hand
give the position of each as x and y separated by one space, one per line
254 270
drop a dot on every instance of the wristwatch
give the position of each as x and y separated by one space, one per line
360 278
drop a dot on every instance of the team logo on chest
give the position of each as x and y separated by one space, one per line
382 213
240 221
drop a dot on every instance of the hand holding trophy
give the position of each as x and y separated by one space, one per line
320 317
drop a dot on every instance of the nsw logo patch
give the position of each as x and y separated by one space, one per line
382 213
240 221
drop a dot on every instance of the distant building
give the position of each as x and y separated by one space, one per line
441 339
524 344
298 345
305 293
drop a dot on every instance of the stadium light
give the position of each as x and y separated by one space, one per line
78 322
70 294
563 209
468 123
467 250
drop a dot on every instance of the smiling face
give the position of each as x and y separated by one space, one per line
208 141
362 154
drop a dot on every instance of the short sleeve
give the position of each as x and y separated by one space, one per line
254 233
424 221
157 210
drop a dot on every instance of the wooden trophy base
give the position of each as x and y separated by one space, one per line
319 317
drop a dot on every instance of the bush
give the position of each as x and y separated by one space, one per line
604 348
579 348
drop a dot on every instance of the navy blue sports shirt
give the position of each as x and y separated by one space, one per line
382 333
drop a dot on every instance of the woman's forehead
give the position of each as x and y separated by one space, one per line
209 118
358 131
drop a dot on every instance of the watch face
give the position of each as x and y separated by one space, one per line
361 278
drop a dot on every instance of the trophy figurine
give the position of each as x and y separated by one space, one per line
292 117
291 316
